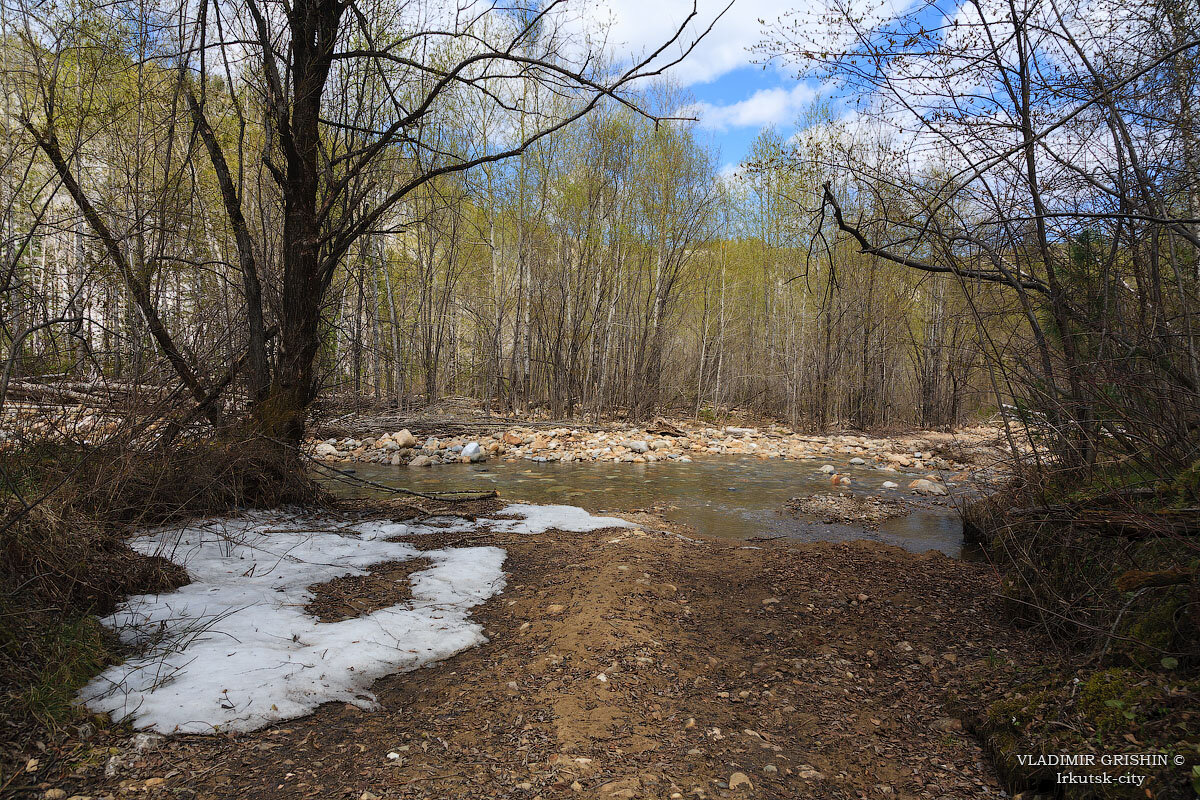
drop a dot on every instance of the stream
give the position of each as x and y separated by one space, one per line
731 497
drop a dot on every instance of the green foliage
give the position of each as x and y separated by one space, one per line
1111 700
44 660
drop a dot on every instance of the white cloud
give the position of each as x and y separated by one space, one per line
640 26
764 107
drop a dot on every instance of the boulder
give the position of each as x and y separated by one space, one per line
404 439
828 469
891 485
326 450
472 452
512 439
857 461
421 461
923 486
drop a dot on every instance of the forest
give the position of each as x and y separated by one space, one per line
248 244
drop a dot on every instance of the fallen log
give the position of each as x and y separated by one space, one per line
1136 579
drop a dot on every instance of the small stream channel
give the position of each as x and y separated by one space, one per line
738 498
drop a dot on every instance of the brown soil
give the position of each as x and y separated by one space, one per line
355 595
637 664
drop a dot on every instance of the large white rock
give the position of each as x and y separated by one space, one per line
326 450
923 486
405 439
472 452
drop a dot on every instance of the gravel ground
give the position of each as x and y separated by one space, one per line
635 664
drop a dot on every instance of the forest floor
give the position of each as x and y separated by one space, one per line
635 663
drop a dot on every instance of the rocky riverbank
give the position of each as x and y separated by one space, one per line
947 457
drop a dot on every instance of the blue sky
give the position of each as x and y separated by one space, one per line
735 98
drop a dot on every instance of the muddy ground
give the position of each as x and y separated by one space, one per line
634 664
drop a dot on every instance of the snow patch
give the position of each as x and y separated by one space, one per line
235 650
539 519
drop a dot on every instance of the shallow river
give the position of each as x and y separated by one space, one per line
733 497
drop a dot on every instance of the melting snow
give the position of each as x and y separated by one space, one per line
539 519
235 649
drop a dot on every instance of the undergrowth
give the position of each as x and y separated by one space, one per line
1107 566
66 516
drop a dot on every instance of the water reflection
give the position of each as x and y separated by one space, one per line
739 498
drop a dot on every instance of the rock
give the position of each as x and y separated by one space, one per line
472 452
740 431
326 450
512 439
637 445
54 794
421 461
404 439
368 795
890 485
390 445
948 724
555 608
828 469
738 780
770 769
923 486
838 479
857 461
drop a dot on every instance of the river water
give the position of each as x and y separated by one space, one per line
734 497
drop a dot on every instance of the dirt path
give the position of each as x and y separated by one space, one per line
642 665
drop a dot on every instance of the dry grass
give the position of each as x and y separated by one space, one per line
66 515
